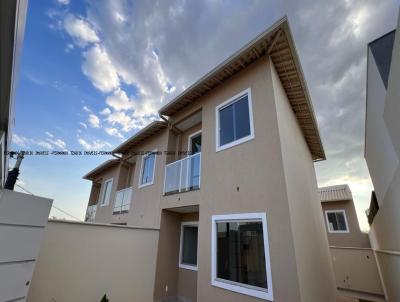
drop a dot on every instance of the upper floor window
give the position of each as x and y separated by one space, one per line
234 121
240 254
337 221
147 170
105 197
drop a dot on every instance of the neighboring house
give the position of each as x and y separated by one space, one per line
22 216
340 216
382 153
353 260
239 217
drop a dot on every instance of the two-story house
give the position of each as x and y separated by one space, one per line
229 181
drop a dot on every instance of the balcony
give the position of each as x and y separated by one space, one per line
183 175
123 201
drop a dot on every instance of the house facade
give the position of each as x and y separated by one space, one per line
382 153
227 177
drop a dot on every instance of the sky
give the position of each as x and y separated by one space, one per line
94 72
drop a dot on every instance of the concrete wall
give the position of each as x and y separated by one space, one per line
356 269
82 262
314 268
355 238
385 229
23 219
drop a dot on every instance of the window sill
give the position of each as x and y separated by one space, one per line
145 185
243 289
338 232
189 267
235 143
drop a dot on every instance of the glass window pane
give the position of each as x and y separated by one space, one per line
240 253
107 192
340 221
226 129
332 221
195 144
148 167
242 118
189 245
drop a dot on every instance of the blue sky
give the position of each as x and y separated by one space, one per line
94 72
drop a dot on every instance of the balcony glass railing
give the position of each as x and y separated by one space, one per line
183 175
123 201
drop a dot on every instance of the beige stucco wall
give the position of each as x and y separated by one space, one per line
314 268
356 269
355 238
82 262
385 229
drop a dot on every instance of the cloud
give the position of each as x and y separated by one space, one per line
20 140
94 145
45 145
114 132
119 101
57 142
49 134
80 31
105 111
86 109
94 121
98 67
83 125
63 2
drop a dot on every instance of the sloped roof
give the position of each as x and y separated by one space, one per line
335 193
104 166
141 135
276 42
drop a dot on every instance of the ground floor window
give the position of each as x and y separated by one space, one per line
188 245
240 254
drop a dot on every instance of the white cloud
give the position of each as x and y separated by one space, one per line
49 134
63 2
20 140
45 145
114 132
57 142
83 125
94 121
80 31
98 67
105 111
120 101
94 145
87 109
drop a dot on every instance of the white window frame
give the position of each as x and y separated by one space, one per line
140 185
345 220
187 266
217 128
236 286
194 134
2 159
103 191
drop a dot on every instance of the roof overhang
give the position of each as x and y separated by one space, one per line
99 169
12 27
140 136
335 193
277 43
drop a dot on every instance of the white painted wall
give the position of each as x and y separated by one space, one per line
22 221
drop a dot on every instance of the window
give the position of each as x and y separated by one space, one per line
188 245
240 254
147 170
194 142
122 201
105 198
234 121
91 213
336 221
